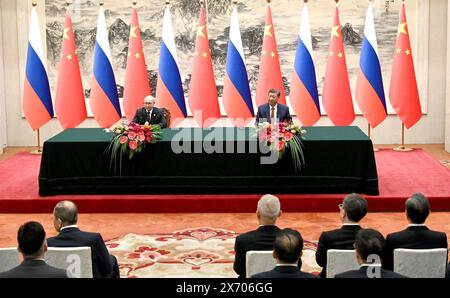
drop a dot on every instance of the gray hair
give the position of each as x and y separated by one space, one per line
148 98
67 212
269 206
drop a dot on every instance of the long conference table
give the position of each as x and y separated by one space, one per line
337 160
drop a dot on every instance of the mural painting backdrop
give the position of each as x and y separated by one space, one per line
286 16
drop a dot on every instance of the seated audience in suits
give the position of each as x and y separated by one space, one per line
65 217
352 210
369 246
273 111
32 245
150 114
417 235
287 251
262 238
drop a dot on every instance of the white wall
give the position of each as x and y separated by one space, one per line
428 29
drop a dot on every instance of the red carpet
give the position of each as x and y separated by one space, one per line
400 175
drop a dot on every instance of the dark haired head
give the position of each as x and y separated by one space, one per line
288 245
355 207
417 208
66 212
31 237
369 242
275 91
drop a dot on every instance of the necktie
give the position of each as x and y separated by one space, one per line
272 113
148 117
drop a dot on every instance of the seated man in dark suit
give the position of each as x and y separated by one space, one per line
369 245
352 210
417 235
287 251
273 112
262 238
150 114
32 245
65 217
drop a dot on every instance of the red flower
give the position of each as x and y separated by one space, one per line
133 145
288 136
123 139
141 137
132 135
279 146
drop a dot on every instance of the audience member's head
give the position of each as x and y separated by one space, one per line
31 239
417 208
65 214
269 210
354 208
369 245
288 246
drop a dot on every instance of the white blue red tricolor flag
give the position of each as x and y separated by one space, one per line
104 100
369 84
304 96
37 99
169 89
237 99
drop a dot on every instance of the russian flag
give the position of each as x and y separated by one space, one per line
304 96
37 99
237 99
104 100
169 89
369 84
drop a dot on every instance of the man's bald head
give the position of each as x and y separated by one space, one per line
66 212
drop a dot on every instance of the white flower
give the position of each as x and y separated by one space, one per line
303 131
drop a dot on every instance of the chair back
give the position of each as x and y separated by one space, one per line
258 261
421 263
9 258
75 260
340 260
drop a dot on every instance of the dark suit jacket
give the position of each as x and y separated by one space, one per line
259 239
284 272
342 238
263 113
157 117
34 269
413 238
362 273
73 237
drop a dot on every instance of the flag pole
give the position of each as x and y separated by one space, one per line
403 148
39 150
368 129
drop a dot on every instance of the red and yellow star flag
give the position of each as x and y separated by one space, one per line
336 96
70 104
403 92
203 100
137 86
269 68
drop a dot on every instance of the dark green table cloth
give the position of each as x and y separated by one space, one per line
338 160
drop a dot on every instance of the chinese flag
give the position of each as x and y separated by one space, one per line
69 102
203 100
269 68
136 78
403 92
337 97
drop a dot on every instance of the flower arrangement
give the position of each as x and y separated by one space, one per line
282 136
131 138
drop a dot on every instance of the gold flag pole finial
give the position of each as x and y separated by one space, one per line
101 3
268 1
134 3
306 1
167 2
234 2
202 2
337 2
34 4
68 3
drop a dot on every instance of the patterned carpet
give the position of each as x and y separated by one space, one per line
191 253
